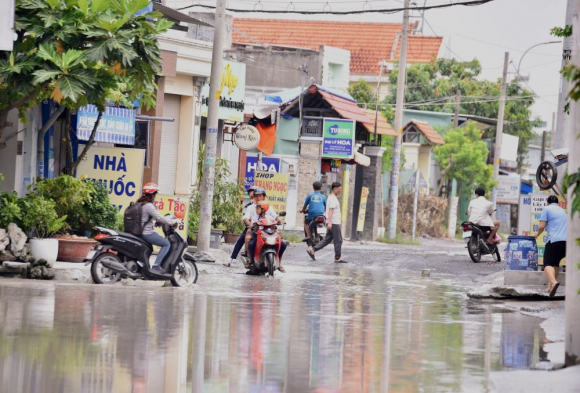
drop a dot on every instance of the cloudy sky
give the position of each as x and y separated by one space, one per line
486 32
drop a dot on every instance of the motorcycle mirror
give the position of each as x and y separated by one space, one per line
282 214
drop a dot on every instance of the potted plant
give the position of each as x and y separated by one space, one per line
41 219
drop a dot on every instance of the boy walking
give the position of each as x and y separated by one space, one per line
334 219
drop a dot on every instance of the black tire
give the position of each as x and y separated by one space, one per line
270 264
496 255
102 275
473 249
546 175
184 273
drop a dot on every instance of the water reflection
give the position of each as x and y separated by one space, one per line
342 331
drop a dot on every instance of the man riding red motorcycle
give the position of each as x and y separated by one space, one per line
266 246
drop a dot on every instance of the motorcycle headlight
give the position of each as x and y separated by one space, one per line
271 241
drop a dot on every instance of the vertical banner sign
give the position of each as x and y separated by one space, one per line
119 170
345 192
176 205
538 203
276 186
338 138
269 164
362 211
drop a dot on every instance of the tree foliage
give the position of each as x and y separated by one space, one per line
81 52
463 157
432 87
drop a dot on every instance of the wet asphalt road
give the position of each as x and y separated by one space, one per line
318 328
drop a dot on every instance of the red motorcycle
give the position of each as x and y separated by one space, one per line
269 247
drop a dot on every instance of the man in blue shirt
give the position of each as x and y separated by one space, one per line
555 221
315 205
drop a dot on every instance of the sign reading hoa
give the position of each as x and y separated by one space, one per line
338 138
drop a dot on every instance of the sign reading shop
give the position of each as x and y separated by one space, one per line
230 93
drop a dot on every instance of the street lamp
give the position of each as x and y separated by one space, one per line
382 63
530 48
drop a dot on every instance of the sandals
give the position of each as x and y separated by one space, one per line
339 261
227 264
554 289
310 252
281 269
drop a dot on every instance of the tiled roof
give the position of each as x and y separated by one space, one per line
428 131
346 108
368 43
383 126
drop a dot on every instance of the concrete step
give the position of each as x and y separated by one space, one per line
520 277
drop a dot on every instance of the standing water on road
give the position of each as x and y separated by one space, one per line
335 330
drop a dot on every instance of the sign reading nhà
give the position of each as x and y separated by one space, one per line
230 94
276 186
338 138
119 170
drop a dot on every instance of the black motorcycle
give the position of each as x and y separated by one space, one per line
317 230
477 245
122 255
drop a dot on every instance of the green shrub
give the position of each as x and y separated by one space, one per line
41 217
10 209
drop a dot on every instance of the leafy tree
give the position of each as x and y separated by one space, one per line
463 158
80 52
432 87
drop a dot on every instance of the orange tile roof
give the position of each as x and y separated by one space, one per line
383 126
369 43
428 131
346 108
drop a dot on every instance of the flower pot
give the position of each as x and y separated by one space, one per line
44 249
214 239
74 249
231 238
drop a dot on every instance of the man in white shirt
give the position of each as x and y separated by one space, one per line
334 219
480 211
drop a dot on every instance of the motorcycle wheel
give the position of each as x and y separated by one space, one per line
101 274
270 264
473 249
184 273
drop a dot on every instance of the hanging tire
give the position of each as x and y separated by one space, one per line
473 249
101 274
184 273
270 263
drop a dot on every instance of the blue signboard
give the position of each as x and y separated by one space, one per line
117 125
269 164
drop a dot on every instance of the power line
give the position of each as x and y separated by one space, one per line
327 10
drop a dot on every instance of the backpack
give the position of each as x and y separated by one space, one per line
132 219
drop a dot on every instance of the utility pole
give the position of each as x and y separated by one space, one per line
401 80
560 138
572 335
211 132
457 104
499 128
553 131
543 152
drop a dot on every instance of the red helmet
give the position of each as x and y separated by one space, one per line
150 188
263 205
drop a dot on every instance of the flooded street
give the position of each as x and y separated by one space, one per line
310 330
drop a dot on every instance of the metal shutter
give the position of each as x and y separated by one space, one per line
169 143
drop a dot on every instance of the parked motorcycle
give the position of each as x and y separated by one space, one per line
268 244
122 255
477 245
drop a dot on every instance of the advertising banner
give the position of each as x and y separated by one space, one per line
532 206
276 186
231 92
362 211
508 189
176 205
269 164
117 125
119 170
338 138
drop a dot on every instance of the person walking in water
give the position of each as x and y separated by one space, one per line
334 219
553 220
